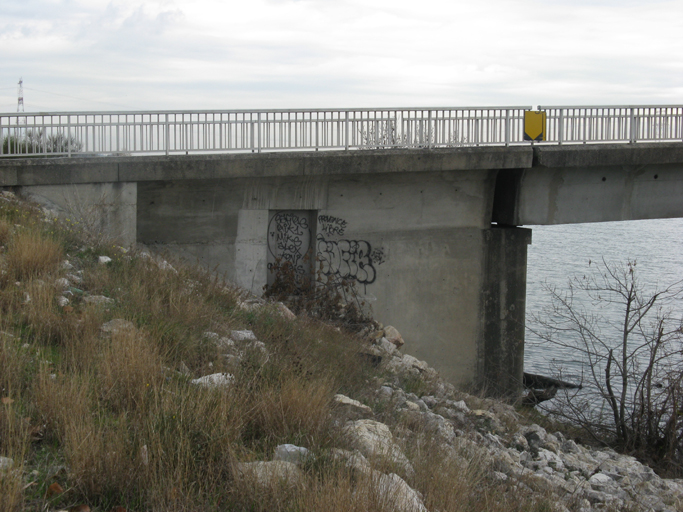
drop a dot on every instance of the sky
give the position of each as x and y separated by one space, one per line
76 55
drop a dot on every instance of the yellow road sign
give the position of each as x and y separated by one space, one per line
534 125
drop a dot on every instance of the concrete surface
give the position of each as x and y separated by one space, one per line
428 236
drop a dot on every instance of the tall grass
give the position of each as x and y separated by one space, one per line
113 418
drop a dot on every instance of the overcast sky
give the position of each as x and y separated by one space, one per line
196 54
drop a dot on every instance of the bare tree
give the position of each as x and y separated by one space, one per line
631 343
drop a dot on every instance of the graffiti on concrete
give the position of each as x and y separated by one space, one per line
331 226
289 240
377 256
346 259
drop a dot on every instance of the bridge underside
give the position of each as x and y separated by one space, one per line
430 237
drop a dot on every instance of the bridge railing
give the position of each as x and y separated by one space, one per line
594 124
259 130
174 132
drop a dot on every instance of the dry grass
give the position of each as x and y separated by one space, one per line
30 255
128 429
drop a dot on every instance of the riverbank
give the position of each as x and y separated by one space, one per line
131 383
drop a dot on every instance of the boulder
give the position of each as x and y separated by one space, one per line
292 453
116 325
215 380
374 440
271 473
345 408
393 336
397 494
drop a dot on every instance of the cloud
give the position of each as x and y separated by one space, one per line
230 54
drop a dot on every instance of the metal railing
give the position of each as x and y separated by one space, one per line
184 132
259 130
594 124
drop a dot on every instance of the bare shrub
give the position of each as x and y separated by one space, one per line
631 341
328 298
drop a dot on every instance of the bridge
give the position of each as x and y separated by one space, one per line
422 207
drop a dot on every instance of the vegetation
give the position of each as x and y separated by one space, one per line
112 419
33 141
632 343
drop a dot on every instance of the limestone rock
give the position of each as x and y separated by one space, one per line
354 460
215 380
272 473
6 463
396 493
98 300
285 312
374 439
116 325
292 453
348 409
393 336
103 260
243 336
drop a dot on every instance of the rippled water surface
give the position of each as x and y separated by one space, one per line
559 252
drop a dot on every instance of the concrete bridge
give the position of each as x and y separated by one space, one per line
432 236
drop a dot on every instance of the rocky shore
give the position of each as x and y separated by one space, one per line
526 457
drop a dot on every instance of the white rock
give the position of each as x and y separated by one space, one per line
600 479
342 400
103 260
66 265
374 439
353 460
215 380
6 463
285 312
387 346
165 265
62 301
396 493
116 325
393 336
243 336
98 299
62 283
292 453
272 473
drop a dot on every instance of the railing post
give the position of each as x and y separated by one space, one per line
507 127
346 132
168 134
560 128
258 133
633 132
68 134
429 130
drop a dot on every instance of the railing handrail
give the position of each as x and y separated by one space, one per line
255 111
257 130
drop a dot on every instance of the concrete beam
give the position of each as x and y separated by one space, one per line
56 171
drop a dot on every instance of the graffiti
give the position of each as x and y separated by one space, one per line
331 226
289 240
346 259
377 256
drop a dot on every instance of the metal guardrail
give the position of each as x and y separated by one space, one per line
178 132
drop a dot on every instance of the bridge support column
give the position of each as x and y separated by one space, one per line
501 346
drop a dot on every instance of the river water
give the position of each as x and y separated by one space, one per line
560 252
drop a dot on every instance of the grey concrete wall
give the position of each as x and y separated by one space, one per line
414 242
564 195
109 209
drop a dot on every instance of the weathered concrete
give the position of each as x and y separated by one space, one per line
106 208
600 183
412 227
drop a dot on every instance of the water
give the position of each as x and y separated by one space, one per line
559 252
